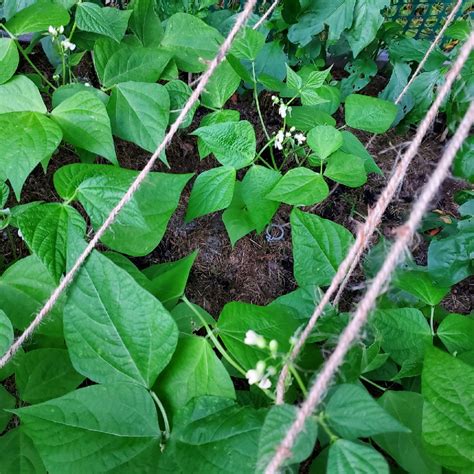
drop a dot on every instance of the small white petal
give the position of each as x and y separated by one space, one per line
253 376
265 384
260 368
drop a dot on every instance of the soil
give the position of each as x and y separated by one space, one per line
259 269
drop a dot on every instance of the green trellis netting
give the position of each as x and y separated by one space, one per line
419 18
422 18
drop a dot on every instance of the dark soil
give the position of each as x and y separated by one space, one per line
258 270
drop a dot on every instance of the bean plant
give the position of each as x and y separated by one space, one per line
128 374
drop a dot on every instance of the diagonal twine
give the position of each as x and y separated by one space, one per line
420 67
375 215
69 277
352 331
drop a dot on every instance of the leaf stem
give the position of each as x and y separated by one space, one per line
213 338
322 421
298 379
376 385
160 406
432 311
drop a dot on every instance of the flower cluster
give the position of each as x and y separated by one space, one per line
283 109
54 32
65 44
261 375
282 136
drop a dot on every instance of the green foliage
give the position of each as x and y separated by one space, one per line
126 374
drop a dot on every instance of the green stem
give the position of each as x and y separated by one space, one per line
376 385
257 103
213 338
321 420
73 29
299 381
28 60
163 414
432 311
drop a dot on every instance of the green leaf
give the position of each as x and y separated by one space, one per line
45 228
128 63
293 80
405 333
352 413
139 113
418 283
6 333
233 143
194 370
100 427
236 217
225 115
257 183
299 187
312 84
456 332
248 44
450 258
306 117
447 413
324 140
187 320
180 93
212 191
125 264
346 169
114 329
319 246
168 280
353 146
406 448
44 374
140 226
4 193
222 85
361 71
7 401
37 17
277 422
85 123
9 59
65 92
278 322
105 21
369 113
464 162
190 40
20 94
27 139
220 434
24 287
348 457
367 21
145 23
19 454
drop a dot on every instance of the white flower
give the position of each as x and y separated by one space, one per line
253 376
265 383
260 367
56 77
66 44
282 110
20 234
273 346
254 339
300 138
86 84
52 31
292 129
271 370
275 99
61 29
288 134
280 136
